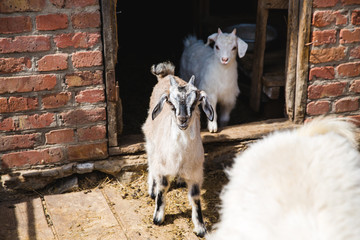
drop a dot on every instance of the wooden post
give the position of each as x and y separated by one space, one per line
259 49
108 12
302 70
291 57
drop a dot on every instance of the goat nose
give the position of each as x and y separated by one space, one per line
182 119
224 59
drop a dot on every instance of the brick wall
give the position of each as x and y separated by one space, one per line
334 75
52 98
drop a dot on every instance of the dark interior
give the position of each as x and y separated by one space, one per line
151 32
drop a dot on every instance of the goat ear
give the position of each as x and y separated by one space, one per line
192 80
159 106
206 106
242 47
173 82
233 31
212 37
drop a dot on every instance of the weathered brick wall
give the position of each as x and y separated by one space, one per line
52 98
334 76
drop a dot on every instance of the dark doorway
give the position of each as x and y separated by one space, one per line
153 31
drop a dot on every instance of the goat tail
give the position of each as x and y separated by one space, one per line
163 69
189 40
322 125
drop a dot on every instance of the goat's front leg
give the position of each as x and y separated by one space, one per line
162 185
151 186
197 218
212 125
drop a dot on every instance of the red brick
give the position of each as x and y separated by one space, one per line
36 121
84 78
326 90
355 119
350 2
355 86
56 100
318 107
327 54
83 116
86 20
13 65
88 151
323 37
27 83
73 3
325 18
52 22
349 35
324 3
33 157
10 6
355 52
17 104
91 133
90 96
25 44
13 142
53 62
351 69
3 105
17 24
60 136
322 73
87 59
77 40
7 124
346 105
355 17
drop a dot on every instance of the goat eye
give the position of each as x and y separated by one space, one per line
234 48
217 47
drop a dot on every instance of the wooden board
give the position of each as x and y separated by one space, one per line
24 220
80 216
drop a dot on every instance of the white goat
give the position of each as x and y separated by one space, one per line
296 184
173 142
215 70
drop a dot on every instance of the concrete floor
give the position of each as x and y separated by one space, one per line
96 214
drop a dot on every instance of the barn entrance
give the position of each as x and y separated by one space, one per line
154 33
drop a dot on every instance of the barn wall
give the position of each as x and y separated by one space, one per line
334 75
52 100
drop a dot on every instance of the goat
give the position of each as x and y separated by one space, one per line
215 70
173 142
295 184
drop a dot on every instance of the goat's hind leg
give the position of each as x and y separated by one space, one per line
197 218
162 186
151 186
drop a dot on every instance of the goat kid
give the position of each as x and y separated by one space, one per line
173 142
215 70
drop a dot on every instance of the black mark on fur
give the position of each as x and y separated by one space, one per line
195 190
152 195
164 181
159 201
199 213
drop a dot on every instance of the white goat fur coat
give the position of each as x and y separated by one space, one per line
217 80
172 151
299 184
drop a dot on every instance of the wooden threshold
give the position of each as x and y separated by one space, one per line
134 144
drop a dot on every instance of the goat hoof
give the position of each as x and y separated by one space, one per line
200 232
213 127
157 221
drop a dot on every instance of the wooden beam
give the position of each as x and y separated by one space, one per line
259 50
302 70
110 43
291 57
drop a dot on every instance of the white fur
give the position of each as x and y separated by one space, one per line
297 184
216 77
173 152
